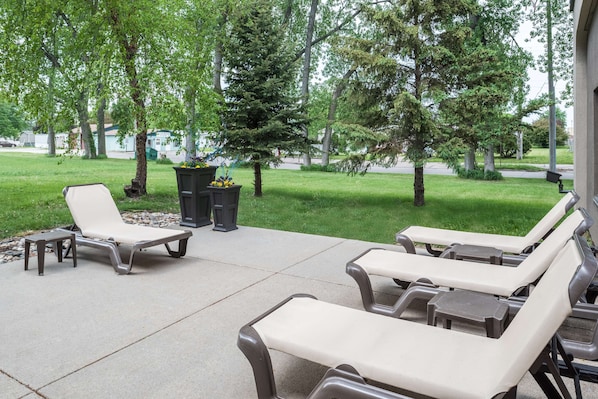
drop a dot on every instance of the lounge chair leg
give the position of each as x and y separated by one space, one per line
345 382
544 364
512 394
182 249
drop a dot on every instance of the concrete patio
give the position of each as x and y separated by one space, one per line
169 328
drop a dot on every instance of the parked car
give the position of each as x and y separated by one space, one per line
5 143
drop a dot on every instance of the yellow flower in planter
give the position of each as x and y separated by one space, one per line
223 181
197 163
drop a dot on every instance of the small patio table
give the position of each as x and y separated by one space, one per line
471 307
41 239
474 253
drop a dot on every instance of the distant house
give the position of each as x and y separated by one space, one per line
160 140
40 140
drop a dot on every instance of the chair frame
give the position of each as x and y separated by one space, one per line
403 238
112 246
253 347
423 287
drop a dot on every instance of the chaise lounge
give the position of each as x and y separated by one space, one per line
419 359
511 244
98 224
487 278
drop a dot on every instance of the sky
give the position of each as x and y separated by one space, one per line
539 81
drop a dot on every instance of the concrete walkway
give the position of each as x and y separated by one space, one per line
169 328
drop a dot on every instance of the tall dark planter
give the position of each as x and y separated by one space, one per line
194 198
225 204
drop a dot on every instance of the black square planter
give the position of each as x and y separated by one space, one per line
194 198
225 204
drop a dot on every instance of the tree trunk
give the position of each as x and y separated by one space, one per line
52 103
519 145
217 77
101 129
469 163
141 170
306 73
88 143
418 186
257 177
130 47
51 140
140 144
551 92
190 148
489 159
327 140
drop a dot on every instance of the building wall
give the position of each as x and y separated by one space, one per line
586 106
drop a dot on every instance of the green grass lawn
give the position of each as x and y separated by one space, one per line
371 207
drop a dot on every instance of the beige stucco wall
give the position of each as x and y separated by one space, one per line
586 105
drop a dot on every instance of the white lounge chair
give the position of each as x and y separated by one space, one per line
417 358
101 226
511 244
487 278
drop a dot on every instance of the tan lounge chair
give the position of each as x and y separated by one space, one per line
511 244
101 226
417 358
487 278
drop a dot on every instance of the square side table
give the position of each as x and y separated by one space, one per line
41 239
471 307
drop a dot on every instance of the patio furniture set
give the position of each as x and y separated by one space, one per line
520 290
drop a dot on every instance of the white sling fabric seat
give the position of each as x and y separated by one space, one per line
512 244
419 358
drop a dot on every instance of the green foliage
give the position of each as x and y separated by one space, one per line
479 174
164 160
122 115
319 168
561 21
262 117
12 121
508 145
538 134
403 70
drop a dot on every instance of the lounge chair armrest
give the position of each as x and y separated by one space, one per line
405 241
574 199
254 349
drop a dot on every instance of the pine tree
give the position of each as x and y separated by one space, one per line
402 72
262 117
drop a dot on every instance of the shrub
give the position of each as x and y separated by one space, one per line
319 168
508 145
479 174
164 160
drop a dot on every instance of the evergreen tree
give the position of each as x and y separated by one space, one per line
262 117
402 72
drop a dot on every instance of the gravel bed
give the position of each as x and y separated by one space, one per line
13 249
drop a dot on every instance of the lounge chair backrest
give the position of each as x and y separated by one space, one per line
550 304
537 262
91 205
552 217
